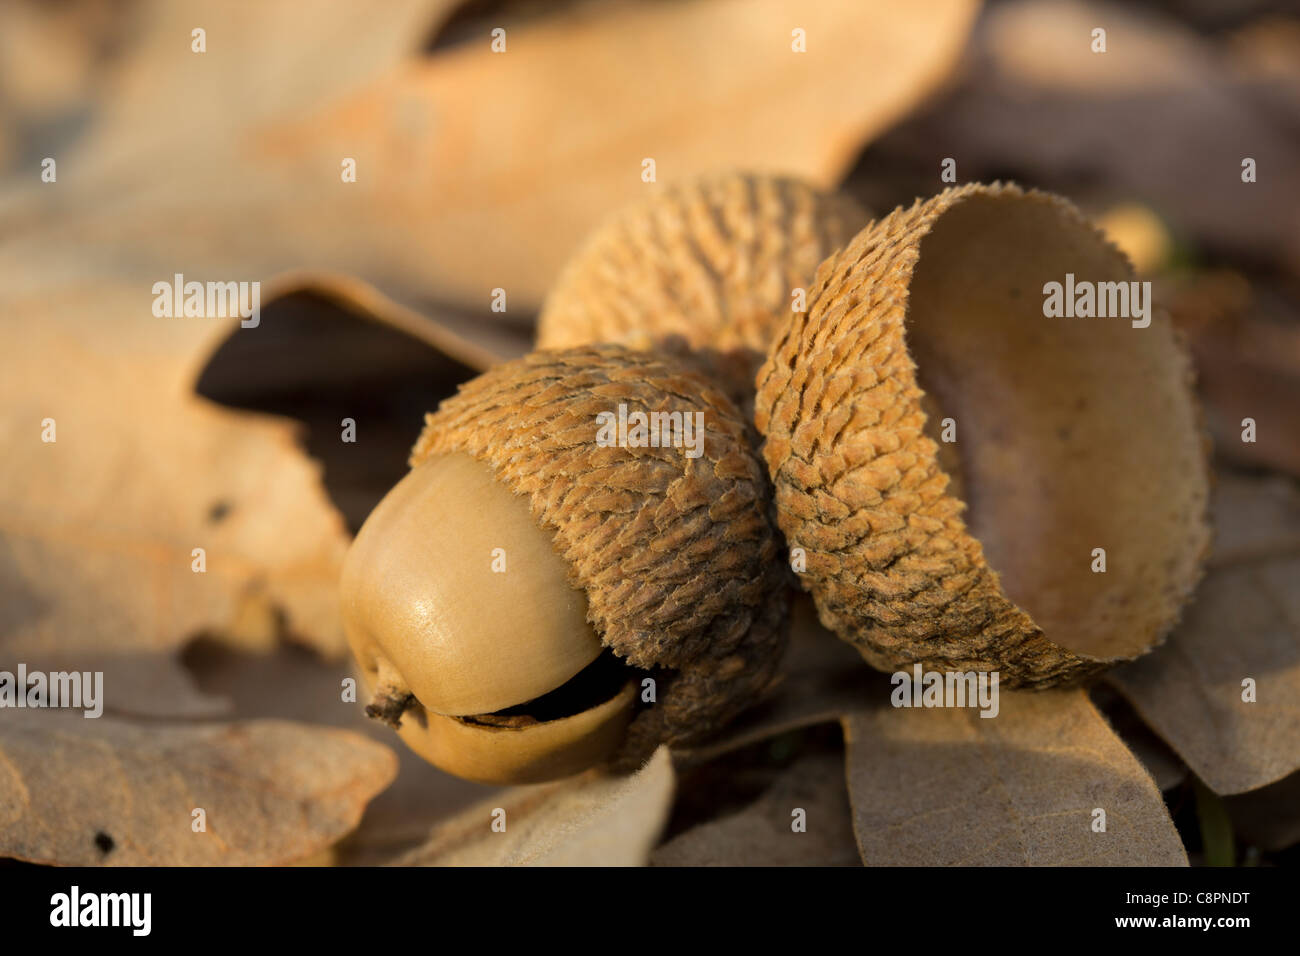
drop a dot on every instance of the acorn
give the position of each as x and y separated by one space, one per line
717 262
938 345
578 567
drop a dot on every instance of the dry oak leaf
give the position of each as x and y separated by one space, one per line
475 170
1039 102
1243 623
594 819
78 792
294 684
261 60
99 527
762 833
946 787
480 170
1013 774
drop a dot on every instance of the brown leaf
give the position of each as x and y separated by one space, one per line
1256 517
463 338
1246 343
98 528
948 787
261 60
1039 106
1153 753
80 792
1270 816
291 683
445 208
590 820
1156 756
480 170
52 59
762 835
1244 622
1061 748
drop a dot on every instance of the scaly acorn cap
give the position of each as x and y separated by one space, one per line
676 555
714 261
1072 434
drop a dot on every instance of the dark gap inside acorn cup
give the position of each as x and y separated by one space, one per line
317 361
1073 433
598 682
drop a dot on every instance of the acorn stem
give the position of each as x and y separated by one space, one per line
391 699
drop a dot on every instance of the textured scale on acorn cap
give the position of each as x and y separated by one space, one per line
714 261
1072 434
676 555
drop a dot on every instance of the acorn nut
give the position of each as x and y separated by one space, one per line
510 596
712 261
1084 477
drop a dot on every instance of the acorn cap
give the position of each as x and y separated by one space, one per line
676 555
713 261
1072 434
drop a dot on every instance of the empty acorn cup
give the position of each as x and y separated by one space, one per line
984 444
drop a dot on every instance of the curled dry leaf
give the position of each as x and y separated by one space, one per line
762 833
946 787
79 792
591 820
99 526
1244 623
462 338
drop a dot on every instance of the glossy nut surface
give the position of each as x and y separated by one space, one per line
420 592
